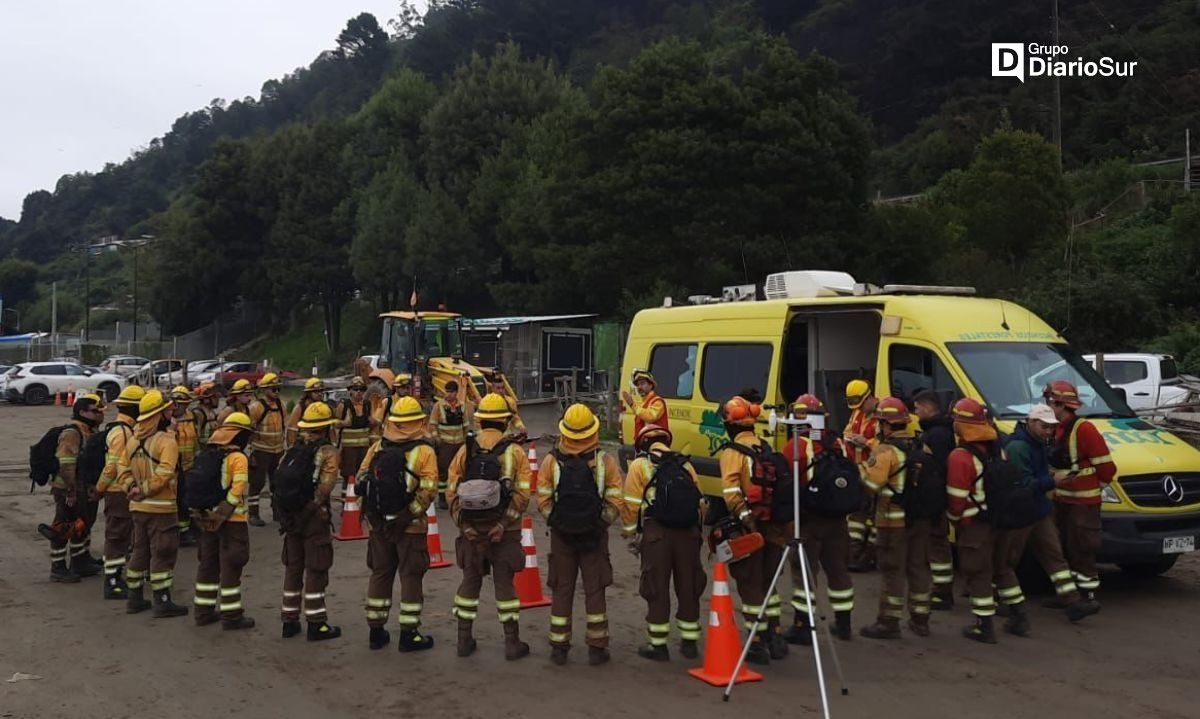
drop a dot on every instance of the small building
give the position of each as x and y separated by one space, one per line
533 351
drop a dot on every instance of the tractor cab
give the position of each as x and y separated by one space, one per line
429 345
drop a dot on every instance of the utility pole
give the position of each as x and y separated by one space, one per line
135 292
1057 97
53 314
1187 160
87 292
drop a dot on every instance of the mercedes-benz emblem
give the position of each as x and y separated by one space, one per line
1172 489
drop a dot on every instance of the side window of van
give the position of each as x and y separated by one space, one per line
912 369
729 368
674 369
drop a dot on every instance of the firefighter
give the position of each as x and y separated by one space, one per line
397 541
187 436
451 418
307 539
268 444
825 539
485 544
652 409
859 436
937 432
379 392
206 413
118 524
903 549
241 394
516 426
966 506
1083 469
70 530
149 472
668 553
224 536
354 422
578 546
314 391
743 499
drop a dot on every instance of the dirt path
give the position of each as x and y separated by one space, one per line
1139 657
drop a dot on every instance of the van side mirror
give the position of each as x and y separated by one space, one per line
1122 394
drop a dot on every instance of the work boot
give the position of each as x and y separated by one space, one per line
255 520
758 653
776 644
379 638
799 633
188 538
320 631
598 656
1018 620
883 628
85 565
60 572
466 642
1002 609
242 622
164 607
1089 598
114 587
942 601
655 653
981 631
411 640
204 618
1078 611
688 649
841 626
441 504
558 654
919 624
48 532
290 629
136 602
514 648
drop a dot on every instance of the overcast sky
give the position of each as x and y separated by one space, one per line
84 82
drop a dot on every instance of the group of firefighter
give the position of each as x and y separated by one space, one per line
468 459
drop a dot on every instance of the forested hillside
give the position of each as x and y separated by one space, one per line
541 156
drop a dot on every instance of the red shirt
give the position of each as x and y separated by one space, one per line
653 410
1091 461
860 423
965 497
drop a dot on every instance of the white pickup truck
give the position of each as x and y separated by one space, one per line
1149 380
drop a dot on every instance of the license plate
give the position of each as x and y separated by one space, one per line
1178 545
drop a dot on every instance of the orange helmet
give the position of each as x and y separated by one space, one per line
654 432
969 411
891 410
1063 392
807 404
207 389
741 412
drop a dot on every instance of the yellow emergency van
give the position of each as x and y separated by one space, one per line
816 330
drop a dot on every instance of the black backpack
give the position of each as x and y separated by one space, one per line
771 471
1011 499
485 467
295 485
90 464
676 497
578 503
924 495
835 487
201 486
43 456
386 489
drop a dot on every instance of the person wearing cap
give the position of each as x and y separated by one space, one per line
380 387
824 538
744 500
307 539
71 501
268 443
451 418
240 395
667 553
652 409
966 506
149 473
396 544
224 536
354 424
1083 469
118 523
516 426
937 432
572 555
903 551
205 412
494 546
859 436
314 391
187 436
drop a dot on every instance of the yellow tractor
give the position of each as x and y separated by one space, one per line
429 345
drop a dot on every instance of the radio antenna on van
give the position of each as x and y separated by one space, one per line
1003 316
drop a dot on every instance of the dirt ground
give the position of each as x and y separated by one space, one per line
1139 657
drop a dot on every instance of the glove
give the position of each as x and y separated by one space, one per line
496 533
209 522
93 495
218 516
470 534
135 493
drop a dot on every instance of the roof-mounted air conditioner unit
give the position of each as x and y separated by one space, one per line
807 284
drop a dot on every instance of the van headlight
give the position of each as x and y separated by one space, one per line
1108 495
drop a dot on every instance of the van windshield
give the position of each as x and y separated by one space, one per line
1012 375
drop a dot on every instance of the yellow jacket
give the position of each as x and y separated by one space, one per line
350 436
268 423
235 479
514 465
603 464
70 442
641 471
884 473
115 445
422 461
151 460
451 433
736 475
187 436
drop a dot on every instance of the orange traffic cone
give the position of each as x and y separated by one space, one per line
533 464
58 400
351 515
70 395
433 540
722 642
528 581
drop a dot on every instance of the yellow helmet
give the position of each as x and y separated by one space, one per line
151 404
242 386
314 384
857 391
269 380
578 422
131 395
238 420
406 409
402 379
316 416
182 393
493 407
89 400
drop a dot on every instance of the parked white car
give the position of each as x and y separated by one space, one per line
37 382
124 365
175 378
1149 380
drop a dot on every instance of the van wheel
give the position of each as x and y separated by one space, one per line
1150 569
36 394
110 391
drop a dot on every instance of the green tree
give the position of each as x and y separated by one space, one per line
18 282
378 252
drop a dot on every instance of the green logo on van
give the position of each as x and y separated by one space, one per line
713 430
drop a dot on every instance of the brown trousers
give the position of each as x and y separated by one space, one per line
352 458
63 516
307 557
566 563
1007 547
754 573
1079 526
671 554
445 455
827 546
903 558
222 555
1045 545
975 558
861 524
155 548
941 560
503 560
392 551
262 473
118 531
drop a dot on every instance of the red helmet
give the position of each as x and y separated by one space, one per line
807 404
891 410
968 411
1062 392
740 411
653 432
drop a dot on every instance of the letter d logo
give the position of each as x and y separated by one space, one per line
1008 60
